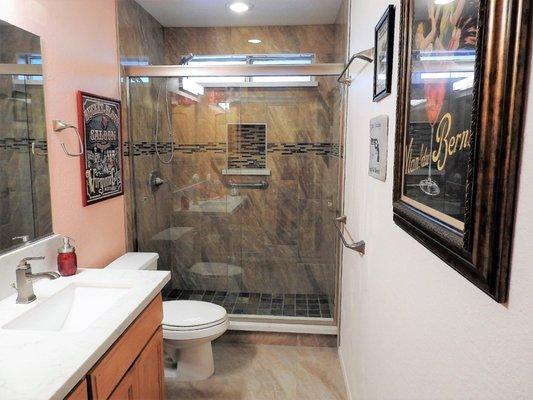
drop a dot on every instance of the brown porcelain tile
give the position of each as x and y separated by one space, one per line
281 236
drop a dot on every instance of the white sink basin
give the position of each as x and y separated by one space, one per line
72 309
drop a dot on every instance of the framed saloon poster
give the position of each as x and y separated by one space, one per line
101 162
459 111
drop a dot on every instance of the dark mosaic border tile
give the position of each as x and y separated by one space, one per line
22 144
272 304
148 148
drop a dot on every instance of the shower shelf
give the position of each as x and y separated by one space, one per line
224 205
172 234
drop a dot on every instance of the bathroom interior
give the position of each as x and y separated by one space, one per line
187 209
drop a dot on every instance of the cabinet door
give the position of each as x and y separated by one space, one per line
108 372
79 392
150 371
127 389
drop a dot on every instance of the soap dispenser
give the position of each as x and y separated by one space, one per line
67 263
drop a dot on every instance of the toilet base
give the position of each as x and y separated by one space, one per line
194 363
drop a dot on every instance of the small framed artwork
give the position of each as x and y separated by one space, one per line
377 160
383 48
458 132
101 163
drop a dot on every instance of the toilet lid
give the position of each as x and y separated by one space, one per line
191 314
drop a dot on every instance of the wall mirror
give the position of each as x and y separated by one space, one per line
25 212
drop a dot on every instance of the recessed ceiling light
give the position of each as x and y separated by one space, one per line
254 41
239 7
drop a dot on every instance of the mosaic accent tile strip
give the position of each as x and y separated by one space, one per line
289 305
148 148
22 144
323 149
246 146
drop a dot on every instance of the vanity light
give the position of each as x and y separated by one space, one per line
239 7
254 41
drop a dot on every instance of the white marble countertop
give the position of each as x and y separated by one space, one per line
48 364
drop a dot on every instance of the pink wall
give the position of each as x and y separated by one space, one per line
79 45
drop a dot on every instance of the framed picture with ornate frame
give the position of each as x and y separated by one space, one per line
383 54
458 132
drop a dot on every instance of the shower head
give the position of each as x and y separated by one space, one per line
185 59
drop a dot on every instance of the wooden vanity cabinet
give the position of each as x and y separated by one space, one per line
133 367
80 392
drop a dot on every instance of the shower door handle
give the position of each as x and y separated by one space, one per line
357 246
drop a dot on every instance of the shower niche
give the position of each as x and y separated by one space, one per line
246 149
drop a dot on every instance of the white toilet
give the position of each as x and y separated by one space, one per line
189 327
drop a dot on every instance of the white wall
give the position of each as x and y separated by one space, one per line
412 327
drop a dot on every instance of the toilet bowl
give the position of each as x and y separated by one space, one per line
189 327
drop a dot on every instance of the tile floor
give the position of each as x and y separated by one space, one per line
266 372
299 305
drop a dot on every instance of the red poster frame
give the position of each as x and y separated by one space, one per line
81 124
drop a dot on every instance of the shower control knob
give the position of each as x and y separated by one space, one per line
155 180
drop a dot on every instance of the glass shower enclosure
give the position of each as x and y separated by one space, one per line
236 177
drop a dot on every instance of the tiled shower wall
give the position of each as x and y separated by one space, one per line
141 40
281 237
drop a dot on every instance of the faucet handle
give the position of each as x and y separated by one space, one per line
23 238
24 261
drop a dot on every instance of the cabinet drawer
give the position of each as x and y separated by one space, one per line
112 367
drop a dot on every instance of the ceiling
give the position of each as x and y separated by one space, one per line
206 13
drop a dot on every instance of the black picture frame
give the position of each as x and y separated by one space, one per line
481 250
383 52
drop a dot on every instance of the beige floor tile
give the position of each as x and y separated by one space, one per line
266 372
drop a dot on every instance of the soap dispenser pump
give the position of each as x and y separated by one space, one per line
67 263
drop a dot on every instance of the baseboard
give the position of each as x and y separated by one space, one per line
344 376
279 339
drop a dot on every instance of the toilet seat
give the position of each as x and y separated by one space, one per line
191 315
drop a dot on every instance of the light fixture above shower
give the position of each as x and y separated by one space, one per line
239 6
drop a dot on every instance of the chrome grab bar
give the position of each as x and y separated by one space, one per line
366 55
263 184
357 246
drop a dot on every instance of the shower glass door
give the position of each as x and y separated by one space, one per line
236 186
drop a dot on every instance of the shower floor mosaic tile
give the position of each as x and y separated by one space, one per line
289 305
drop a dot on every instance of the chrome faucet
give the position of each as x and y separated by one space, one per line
25 279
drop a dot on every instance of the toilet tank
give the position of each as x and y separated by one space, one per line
147 261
